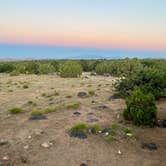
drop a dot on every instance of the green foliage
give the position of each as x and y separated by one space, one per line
74 106
80 127
25 86
16 110
6 67
141 108
49 110
36 112
71 69
91 92
46 69
96 128
129 132
14 73
32 103
148 79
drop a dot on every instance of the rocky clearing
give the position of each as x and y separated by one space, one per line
47 142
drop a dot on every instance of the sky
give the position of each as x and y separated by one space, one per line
101 24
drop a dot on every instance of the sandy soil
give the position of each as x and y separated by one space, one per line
25 137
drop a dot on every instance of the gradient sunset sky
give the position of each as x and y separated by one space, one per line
111 24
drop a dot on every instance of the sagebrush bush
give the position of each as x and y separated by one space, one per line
16 110
141 108
36 112
71 69
79 127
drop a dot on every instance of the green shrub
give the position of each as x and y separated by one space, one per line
46 69
74 106
14 73
148 79
141 108
96 128
49 110
25 86
36 112
32 103
79 127
16 110
91 92
71 69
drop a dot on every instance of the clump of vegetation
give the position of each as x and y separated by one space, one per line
25 86
96 128
30 102
80 127
56 93
49 110
71 69
74 106
68 96
129 132
141 108
14 73
91 92
16 110
36 112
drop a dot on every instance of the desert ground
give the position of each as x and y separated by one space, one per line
48 142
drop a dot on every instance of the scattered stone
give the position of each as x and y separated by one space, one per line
113 97
162 123
92 120
105 130
150 146
38 132
78 134
101 107
106 75
29 137
4 142
119 152
107 133
83 164
24 159
93 102
38 117
82 94
46 144
5 158
92 131
77 113
90 113
26 147
51 103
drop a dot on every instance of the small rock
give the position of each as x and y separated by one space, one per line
101 107
39 132
38 117
24 159
78 134
162 123
45 145
113 97
129 134
82 94
3 142
106 130
5 158
92 131
107 133
150 146
77 113
26 147
83 164
90 113
92 120
119 152
29 137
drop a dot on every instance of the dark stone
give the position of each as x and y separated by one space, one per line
52 103
83 164
150 146
38 117
24 159
78 134
3 142
92 131
77 113
82 94
92 120
101 107
113 97
106 130
90 113
162 123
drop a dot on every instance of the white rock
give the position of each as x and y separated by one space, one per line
107 133
100 131
129 134
5 158
45 145
26 147
119 152
29 137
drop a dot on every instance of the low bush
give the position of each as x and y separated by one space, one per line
16 110
80 127
141 108
71 69
74 106
91 92
49 110
36 112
